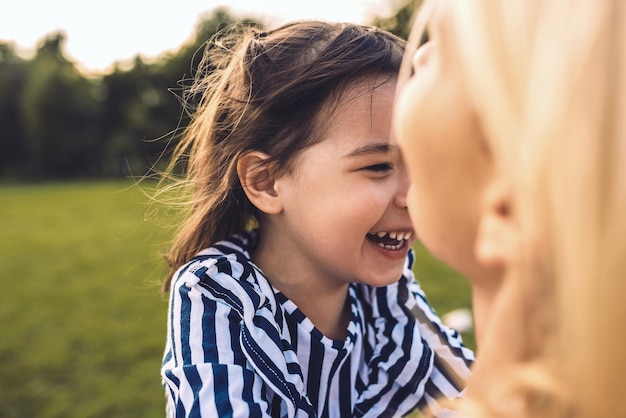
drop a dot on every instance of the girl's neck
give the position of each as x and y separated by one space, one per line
325 304
328 309
331 317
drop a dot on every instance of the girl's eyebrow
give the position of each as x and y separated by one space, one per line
370 149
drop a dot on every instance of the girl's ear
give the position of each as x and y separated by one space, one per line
258 182
497 237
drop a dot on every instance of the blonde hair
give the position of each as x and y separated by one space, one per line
548 80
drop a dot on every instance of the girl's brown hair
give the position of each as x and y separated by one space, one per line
262 91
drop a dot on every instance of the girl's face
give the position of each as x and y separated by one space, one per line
344 216
448 161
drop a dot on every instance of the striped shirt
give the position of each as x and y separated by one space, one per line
237 347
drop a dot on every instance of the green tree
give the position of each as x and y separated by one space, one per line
60 110
56 122
400 22
13 71
138 109
154 112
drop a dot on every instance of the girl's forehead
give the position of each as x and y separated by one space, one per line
363 112
367 87
362 93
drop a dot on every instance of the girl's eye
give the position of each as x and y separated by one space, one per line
379 168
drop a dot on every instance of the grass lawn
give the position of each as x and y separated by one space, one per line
83 320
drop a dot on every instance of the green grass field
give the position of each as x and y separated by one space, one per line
83 319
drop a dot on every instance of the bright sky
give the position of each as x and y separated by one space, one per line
101 32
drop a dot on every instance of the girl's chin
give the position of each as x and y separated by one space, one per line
386 279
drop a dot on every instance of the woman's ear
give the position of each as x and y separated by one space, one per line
257 180
497 237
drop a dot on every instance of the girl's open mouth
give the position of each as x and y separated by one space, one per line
392 240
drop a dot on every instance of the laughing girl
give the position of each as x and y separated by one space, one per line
291 290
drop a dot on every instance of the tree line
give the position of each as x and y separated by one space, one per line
58 123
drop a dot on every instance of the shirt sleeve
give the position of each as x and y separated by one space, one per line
204 371
452 360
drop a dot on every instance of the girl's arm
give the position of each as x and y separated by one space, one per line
452 360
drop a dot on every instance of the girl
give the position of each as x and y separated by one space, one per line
530 98
291 285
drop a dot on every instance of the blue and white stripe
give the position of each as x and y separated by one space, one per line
237 348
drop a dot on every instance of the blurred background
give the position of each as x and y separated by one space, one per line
87 106
79 104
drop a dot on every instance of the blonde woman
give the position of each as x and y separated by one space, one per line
513 125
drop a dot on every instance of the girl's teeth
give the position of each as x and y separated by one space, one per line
390 247
395 235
